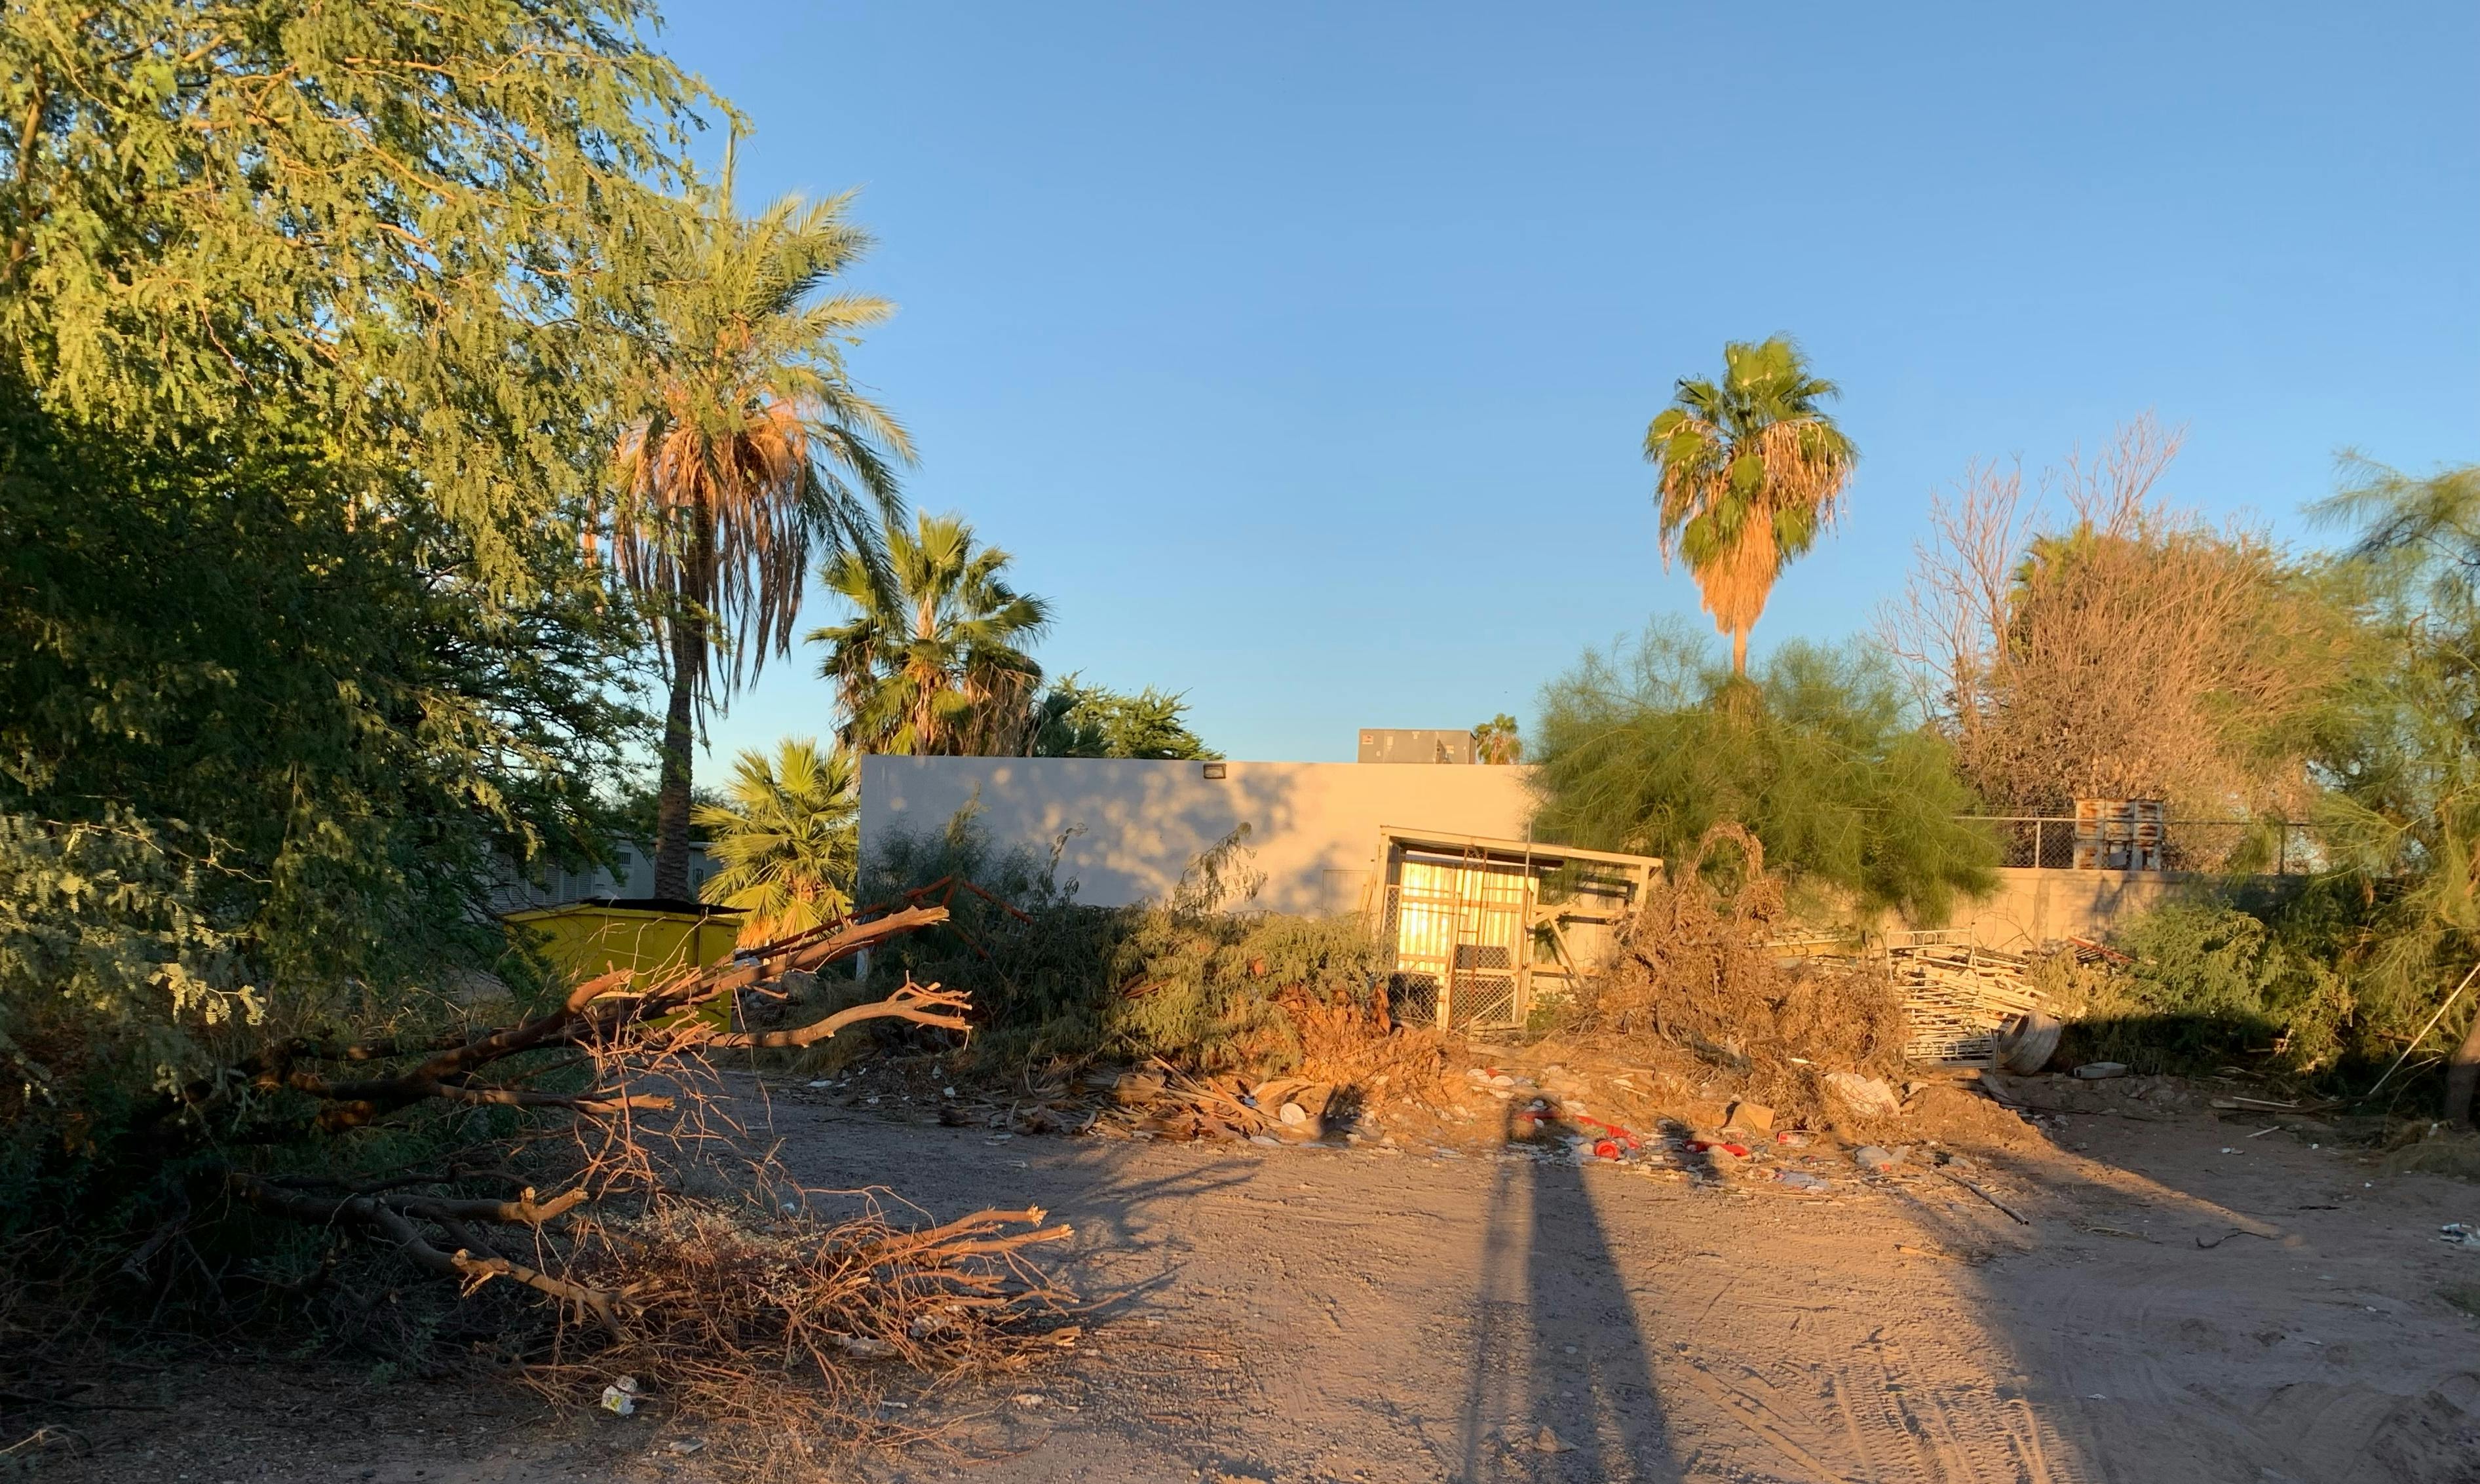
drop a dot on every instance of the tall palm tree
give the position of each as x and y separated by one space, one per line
936 666
788 840
747 447
1751 472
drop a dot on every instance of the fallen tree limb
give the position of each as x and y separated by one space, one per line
920 1004
600 1015
376 1216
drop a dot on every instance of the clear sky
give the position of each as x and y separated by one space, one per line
1303 354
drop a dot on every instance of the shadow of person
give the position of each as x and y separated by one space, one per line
1561 1383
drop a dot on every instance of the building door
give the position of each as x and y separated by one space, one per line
1461 944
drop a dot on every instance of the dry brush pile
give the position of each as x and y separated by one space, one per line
627 1215
1695 984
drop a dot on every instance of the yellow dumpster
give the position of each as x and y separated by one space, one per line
587 938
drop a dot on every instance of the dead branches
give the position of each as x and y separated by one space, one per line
918 1004
392 1219
683 1256
773 1320
604 1015
1700 977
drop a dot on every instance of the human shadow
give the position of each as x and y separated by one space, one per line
1561 1383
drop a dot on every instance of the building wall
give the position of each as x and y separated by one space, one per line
1313 826
2032 907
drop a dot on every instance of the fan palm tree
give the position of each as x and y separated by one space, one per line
787 838
936 665
1751 472
746 448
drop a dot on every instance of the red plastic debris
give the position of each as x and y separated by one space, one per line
1607 1149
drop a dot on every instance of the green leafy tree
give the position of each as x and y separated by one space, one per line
398 232
747 448
1644 748
788 837
933 666
308 319
2402 820
1093 721
1751 472
1498 740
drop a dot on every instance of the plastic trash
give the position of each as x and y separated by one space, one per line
2095 1071
1802 1180
1870 1157
2460 1234
1867 1096
620 1397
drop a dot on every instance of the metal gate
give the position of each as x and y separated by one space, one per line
1461 940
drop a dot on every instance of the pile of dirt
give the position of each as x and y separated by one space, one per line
1958 1115
1696 976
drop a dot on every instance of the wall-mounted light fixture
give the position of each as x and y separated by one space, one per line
1213 769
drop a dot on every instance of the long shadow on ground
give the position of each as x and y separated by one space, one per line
1560 1385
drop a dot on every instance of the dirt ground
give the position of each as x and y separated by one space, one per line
2190 1295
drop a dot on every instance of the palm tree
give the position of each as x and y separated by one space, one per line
787 838
1751 472
1497 740
935 667
746 448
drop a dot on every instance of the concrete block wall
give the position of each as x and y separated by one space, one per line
2033 905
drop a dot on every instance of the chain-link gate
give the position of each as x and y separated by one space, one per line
1459 930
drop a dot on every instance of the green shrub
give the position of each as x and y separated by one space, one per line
1643 747
1191 980
2211 980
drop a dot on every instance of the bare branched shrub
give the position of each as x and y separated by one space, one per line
2136 653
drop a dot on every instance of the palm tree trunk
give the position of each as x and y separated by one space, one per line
1740 652
680 721
672 795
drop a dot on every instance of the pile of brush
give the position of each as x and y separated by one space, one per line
1697 982
1162 1101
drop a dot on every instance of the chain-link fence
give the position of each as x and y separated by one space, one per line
2226 847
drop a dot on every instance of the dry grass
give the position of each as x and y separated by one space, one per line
2432 1149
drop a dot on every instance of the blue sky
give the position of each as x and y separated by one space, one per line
1303 354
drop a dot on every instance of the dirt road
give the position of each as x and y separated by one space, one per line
2185 1303
1302 1315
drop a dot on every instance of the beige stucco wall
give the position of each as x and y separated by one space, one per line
1313 826
2033 907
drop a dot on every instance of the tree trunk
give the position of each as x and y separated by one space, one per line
2463 1075
680 722
1739 652
672 798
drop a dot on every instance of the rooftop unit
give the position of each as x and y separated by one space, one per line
1401 744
